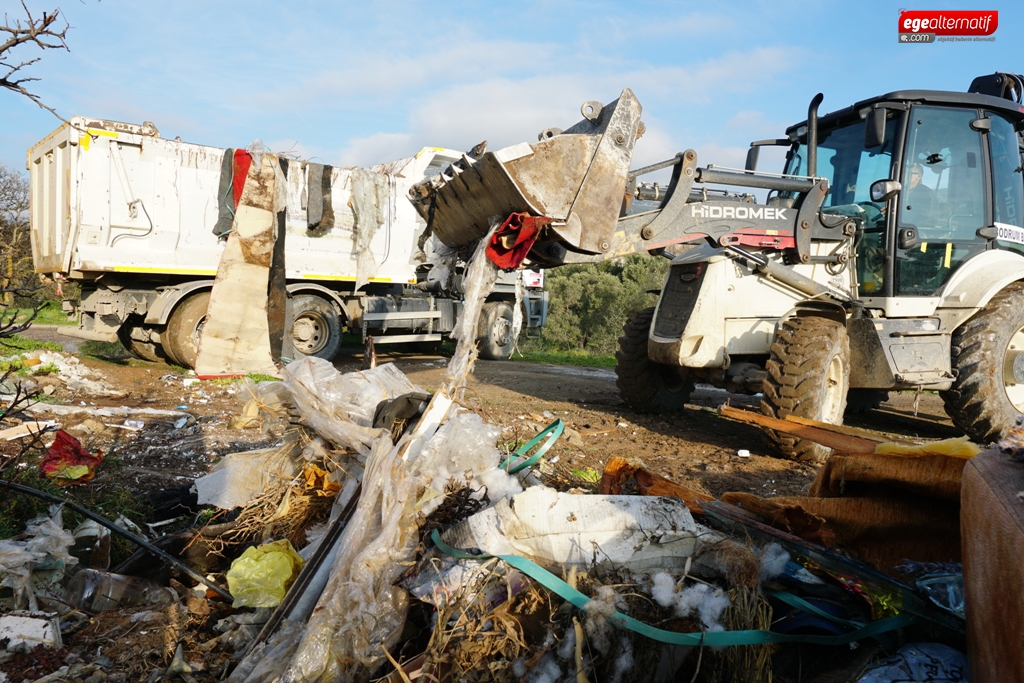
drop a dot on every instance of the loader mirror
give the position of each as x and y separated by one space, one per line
752 155
884 190
874 128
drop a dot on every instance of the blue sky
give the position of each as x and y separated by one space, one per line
361 83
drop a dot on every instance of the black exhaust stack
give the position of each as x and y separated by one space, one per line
812 135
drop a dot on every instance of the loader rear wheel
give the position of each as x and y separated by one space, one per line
987 398
494 331
183 328
316 327
646 386
808 376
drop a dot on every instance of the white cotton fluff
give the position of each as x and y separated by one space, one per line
567 649
596 626
664 590
623 661
707 602
546 671
773 561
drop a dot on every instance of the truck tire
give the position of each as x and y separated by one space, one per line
981 401
864 400
494 331
808 376
646 386
181 339
144 350
316 327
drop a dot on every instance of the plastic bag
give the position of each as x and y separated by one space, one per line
339 407
49 544
262 575
929 662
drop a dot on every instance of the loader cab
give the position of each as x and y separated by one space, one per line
957 160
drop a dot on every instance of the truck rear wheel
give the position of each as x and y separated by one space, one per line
181 339
494 332
316 327
144 350
646 386
808 376
987 396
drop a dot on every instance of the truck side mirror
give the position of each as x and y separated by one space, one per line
874 128
752 155
884 190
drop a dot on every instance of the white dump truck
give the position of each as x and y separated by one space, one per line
133 218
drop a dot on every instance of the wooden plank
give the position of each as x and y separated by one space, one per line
843 443
849 431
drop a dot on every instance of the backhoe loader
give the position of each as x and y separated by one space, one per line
887 255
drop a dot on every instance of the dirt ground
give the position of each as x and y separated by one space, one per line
696 448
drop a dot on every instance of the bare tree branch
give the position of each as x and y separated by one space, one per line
45 33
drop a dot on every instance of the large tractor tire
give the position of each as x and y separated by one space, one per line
808 376
986 397
181 338
646 386
316 327
494 331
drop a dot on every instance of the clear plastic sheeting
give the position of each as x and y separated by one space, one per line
464 449
48 545
479 283
361 611
242 477
339 407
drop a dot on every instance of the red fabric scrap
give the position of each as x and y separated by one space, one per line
513 240
66 462
241 170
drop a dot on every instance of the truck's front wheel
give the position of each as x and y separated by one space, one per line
316 330
987 396
181 339
646 386
808 376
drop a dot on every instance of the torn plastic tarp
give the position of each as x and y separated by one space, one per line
370 199
66 462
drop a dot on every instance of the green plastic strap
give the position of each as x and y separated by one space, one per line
710 639
555 430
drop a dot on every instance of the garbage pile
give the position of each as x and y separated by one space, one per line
391 533
46 372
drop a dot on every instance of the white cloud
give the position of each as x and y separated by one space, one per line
377 148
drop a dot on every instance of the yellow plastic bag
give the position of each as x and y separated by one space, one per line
262 575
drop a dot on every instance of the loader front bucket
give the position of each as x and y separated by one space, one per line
576 177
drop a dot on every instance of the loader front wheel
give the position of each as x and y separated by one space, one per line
646 386
183 329
494 331
808 376
316 327
987 395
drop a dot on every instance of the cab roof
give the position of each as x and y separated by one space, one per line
1013 111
